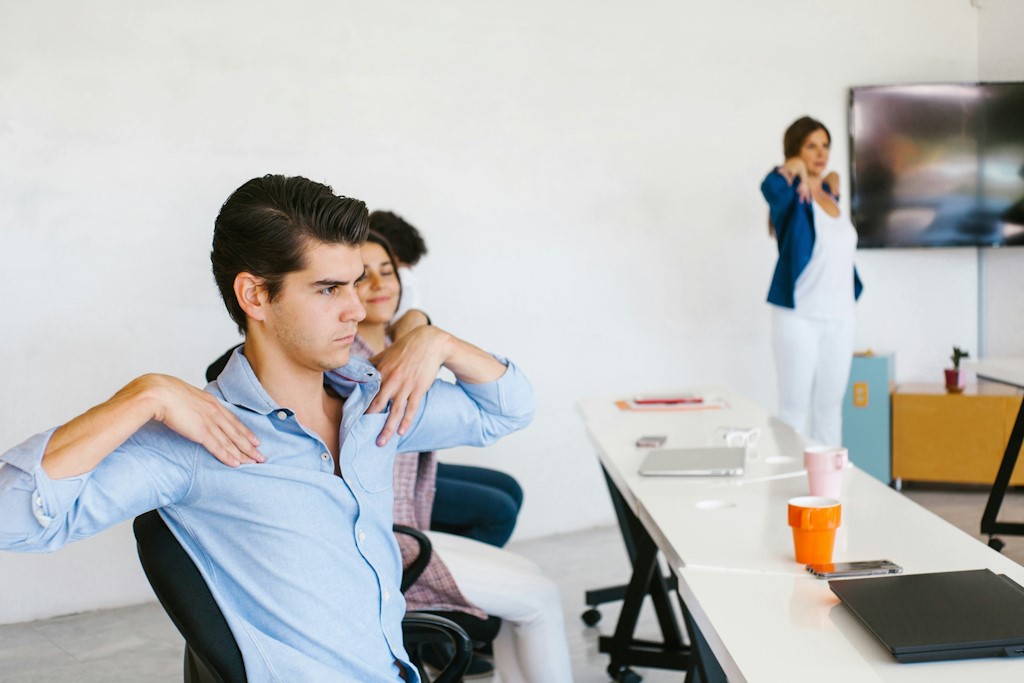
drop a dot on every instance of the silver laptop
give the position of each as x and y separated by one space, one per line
695 462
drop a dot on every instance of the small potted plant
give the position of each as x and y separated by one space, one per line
955 377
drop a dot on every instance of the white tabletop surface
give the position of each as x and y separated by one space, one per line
727 540
779 451
789 629
1005 370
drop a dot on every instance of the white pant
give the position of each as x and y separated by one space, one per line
812 361
531 646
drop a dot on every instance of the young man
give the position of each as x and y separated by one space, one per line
290 520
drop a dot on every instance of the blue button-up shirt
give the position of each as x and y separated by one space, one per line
303 563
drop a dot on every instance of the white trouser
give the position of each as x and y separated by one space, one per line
812 362
531 646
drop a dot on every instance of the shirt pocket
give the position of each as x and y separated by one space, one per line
373 465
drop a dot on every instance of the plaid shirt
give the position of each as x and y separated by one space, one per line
414 486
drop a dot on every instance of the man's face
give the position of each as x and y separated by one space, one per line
314 318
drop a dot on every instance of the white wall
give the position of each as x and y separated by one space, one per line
585 173
1001 58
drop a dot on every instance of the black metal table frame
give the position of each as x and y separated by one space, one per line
624 648
989 523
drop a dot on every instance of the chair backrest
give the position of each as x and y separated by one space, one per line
187 600
217 366
212 655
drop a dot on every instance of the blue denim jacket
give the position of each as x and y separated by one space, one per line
794 233
303 563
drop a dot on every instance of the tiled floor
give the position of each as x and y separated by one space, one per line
139 644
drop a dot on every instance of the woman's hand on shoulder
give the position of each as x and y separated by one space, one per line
792 169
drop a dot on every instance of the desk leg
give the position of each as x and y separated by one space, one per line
703 668
647 579
599 596
989 525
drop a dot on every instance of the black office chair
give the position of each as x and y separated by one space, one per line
211 653
480 631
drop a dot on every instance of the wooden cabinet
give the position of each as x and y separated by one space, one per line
957 438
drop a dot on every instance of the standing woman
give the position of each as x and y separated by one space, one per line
815 285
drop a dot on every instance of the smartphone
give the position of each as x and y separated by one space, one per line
667 399
865 568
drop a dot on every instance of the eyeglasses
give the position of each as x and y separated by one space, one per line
737 437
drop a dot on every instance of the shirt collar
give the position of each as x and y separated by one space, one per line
238 384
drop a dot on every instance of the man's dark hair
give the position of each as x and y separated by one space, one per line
266 225
796 134
406 241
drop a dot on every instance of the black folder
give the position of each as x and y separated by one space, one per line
948 615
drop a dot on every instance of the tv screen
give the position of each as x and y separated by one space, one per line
938 165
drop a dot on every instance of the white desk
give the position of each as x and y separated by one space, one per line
779 452
1002 370
726 539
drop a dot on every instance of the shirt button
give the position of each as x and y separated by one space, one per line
39 501
386 595
326 456
361 536
281 415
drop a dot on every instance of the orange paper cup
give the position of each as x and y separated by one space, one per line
814 521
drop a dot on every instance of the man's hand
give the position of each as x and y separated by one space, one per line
199 416
408 368
80 445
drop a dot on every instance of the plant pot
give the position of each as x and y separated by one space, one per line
955 380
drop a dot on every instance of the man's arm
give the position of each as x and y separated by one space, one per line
467 414
100 468
81 444
409 367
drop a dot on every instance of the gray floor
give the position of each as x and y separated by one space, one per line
139 644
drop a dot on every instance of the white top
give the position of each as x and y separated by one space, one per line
410 292
824 289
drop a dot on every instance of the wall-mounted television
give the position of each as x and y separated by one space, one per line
937 165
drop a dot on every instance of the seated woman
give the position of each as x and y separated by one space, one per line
476 502
472 577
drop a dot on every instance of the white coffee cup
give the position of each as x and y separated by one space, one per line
824 465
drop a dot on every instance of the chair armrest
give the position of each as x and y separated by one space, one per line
413 571
420 627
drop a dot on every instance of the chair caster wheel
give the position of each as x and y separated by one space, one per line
624 674
591 617
996 544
